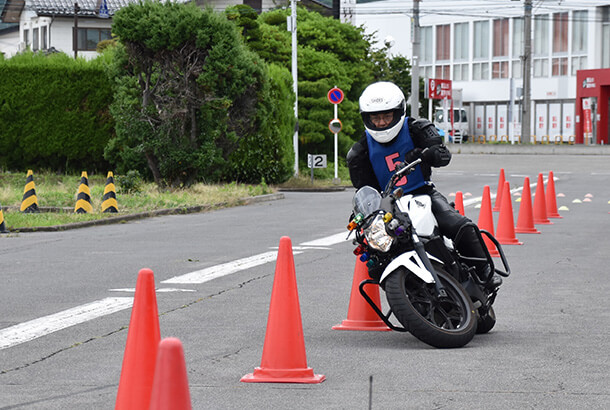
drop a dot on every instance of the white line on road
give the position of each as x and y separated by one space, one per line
24 332
36 328
213 272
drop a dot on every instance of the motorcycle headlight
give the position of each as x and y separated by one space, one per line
376 235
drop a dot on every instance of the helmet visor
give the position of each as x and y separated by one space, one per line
382 120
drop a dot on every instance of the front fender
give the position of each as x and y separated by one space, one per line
411 261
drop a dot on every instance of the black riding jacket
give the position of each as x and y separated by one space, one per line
424 135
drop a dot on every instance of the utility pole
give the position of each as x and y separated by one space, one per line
527 73
292 27
75 41
415 60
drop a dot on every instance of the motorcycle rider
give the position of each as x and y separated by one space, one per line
391 138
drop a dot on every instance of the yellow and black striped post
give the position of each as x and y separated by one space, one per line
2 224
109 203
29 203
83 198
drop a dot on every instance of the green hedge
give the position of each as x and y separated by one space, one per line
54 113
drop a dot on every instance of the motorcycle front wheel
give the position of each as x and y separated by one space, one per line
443 322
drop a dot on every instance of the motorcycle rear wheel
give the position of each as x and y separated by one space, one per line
440 322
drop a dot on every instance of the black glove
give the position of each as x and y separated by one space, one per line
427 156
412 155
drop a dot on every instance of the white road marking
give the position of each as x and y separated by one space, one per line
33 329
213 272
329 240
24 332
158 290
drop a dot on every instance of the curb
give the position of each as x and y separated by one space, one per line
313 189
142 215
546 149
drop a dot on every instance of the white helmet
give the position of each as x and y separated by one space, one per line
380 97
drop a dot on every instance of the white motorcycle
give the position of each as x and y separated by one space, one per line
432 289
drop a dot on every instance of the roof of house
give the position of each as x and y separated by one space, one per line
86 7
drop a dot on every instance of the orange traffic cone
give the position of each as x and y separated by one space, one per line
486 221
459 202
170 386
284 359
525 221
501 181
540 204
360 315
551 202
143 339
506 225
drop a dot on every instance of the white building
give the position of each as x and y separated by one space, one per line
479 46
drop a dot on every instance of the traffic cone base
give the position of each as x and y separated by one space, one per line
284 359
305 375
525 221
360 315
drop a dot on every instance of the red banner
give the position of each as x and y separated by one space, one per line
439 89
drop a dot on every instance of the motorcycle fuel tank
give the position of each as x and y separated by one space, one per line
419 209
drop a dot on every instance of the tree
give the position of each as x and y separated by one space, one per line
190 96
330 53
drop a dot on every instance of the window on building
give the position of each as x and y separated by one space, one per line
89 37
443 42
460 72
517 69
43 38
426 71
255 4
606 37
579 32
480 71
541 36
426 45
35 39
26 37
500 45
541 67
579 41
578 63
480 45
518 44
499 69
541 46
460 42
559 63
560 67
442 71
560 33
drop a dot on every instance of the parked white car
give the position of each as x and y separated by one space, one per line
460 123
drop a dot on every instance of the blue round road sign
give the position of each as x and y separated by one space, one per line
335 95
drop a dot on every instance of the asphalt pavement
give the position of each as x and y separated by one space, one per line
548 350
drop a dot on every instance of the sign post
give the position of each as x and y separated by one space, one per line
335 96
316 161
